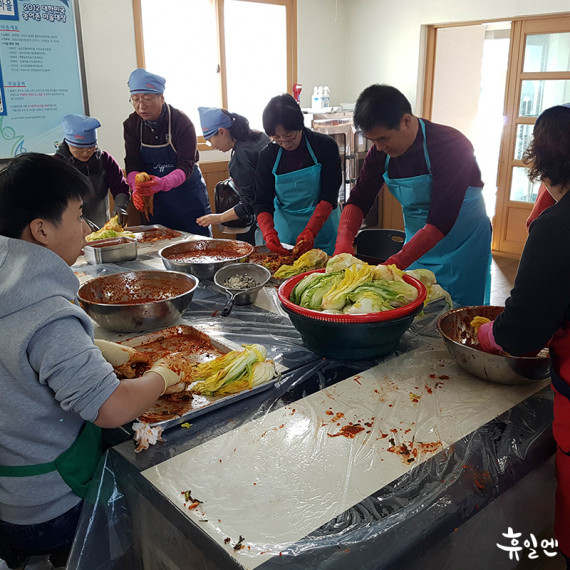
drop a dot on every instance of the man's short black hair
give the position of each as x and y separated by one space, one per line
380 105
35 185
285 111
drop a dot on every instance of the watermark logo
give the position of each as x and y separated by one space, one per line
517 545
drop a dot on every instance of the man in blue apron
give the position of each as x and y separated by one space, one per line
297 182
58 385
431 170
161 141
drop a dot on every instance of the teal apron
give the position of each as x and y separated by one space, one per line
461 260
76 465
179 207
296 196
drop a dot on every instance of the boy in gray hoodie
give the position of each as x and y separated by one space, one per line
58 387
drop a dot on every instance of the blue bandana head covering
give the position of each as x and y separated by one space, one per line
212 119
79 130
142 81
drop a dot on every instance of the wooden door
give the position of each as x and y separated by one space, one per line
538 78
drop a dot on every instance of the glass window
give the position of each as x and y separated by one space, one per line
539 95
256 56
524 136
522 189
184 50
547 52
182 43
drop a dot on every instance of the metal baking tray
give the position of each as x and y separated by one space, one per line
154 232
169 340
110 250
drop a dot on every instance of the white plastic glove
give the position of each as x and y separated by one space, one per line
124 359
175 370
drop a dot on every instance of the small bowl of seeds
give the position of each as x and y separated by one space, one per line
242 281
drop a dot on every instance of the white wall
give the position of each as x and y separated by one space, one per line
457 79
346 44
321 48
108 36
385 40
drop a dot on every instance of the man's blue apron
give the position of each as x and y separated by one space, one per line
179 207
461 261
296 196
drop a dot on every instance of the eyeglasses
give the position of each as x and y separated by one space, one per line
83 151
287 137
144 100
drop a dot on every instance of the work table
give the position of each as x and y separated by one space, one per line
362 463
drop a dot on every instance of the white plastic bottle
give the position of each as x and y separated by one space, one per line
316 99
326 100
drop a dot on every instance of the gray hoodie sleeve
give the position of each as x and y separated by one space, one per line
65 358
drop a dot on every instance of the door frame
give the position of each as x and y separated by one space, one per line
506 210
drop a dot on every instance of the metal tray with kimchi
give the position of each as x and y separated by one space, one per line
153 233
175 409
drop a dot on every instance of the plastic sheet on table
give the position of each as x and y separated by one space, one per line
490 435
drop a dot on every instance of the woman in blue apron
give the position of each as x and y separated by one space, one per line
161 141
297 182
432 171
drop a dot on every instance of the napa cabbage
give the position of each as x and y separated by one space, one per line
233 372
354 276
312 259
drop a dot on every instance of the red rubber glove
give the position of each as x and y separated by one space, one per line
136 198
423 240
306 239
487 339
543 200
267 227
350 222
161 184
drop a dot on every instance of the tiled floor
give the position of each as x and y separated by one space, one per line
503 271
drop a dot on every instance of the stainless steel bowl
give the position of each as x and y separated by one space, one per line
241 296
138 300
459 338
204 257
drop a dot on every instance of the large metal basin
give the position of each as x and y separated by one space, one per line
203 258
138 300
460 339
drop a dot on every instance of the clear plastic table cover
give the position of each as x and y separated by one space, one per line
268 468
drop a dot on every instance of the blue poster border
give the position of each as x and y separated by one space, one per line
13 17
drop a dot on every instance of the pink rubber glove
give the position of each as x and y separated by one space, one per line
423 240
487 339
306 239
164 184
267 227
131 179
350 222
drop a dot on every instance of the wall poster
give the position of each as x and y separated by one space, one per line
40 74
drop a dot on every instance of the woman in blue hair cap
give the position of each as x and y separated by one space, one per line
161 141
229 131
79 148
